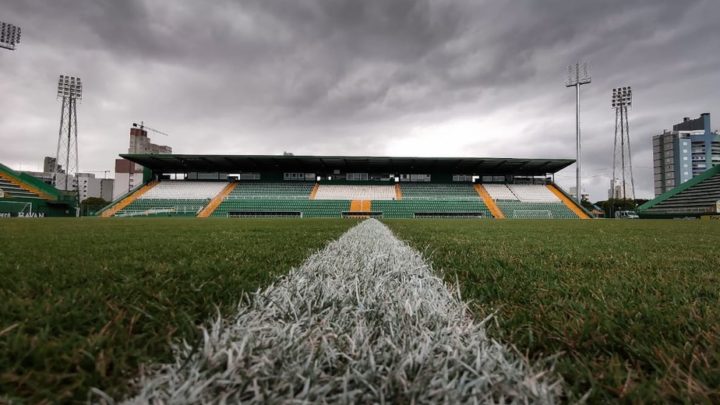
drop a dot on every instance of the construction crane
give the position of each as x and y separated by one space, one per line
142 127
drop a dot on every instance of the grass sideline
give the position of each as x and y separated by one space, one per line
632 304
85 302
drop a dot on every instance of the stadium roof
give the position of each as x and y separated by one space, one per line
170 163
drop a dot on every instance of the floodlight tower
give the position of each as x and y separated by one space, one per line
9 36
577 79
622 157
69 90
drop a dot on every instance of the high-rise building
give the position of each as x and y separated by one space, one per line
685 152
49 165
140 143
129 175
106 189
87 186
84 183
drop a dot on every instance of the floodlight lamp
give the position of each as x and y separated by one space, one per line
69 86
9 36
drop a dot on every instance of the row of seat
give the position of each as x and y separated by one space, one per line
355 192
420 191
299 190
335 208
430 191
164 207
408 208
189 197
308 208
535 210
500 192
533 193
521 192
197 190
16 191
702 195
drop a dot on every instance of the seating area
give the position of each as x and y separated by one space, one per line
289 190
430 191
535 210
408 208
167 207
700 198
174 198
265 207
15 191
528 201
521 192
355 192
265 199
533 193
500 192
188 190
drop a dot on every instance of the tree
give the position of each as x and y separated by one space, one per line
91 205
613 205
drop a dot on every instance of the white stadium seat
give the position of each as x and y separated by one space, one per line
343 192
500 192
533 193
189 190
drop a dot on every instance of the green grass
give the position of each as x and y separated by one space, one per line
83 303
633 306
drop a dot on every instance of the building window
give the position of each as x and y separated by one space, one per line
419 177
356 176
462 178
249 176
299 176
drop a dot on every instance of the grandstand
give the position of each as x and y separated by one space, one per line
336 186
698 197
22 195
176 198
529 201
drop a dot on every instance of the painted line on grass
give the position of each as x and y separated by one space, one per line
363 320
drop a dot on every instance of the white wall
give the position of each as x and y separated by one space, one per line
124 182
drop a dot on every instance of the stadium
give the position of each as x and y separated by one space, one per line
355 279
120 305
22 195
345 186
367 268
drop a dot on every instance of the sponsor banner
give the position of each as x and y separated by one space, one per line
22 215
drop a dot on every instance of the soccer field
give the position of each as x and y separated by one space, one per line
628 308
86 302
632 306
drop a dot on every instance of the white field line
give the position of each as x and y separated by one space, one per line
362 321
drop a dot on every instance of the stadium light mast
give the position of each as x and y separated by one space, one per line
622 156
577 79
69 90
9 36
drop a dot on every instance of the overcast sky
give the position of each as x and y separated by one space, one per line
350 77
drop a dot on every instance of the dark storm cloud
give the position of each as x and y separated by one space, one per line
344 76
